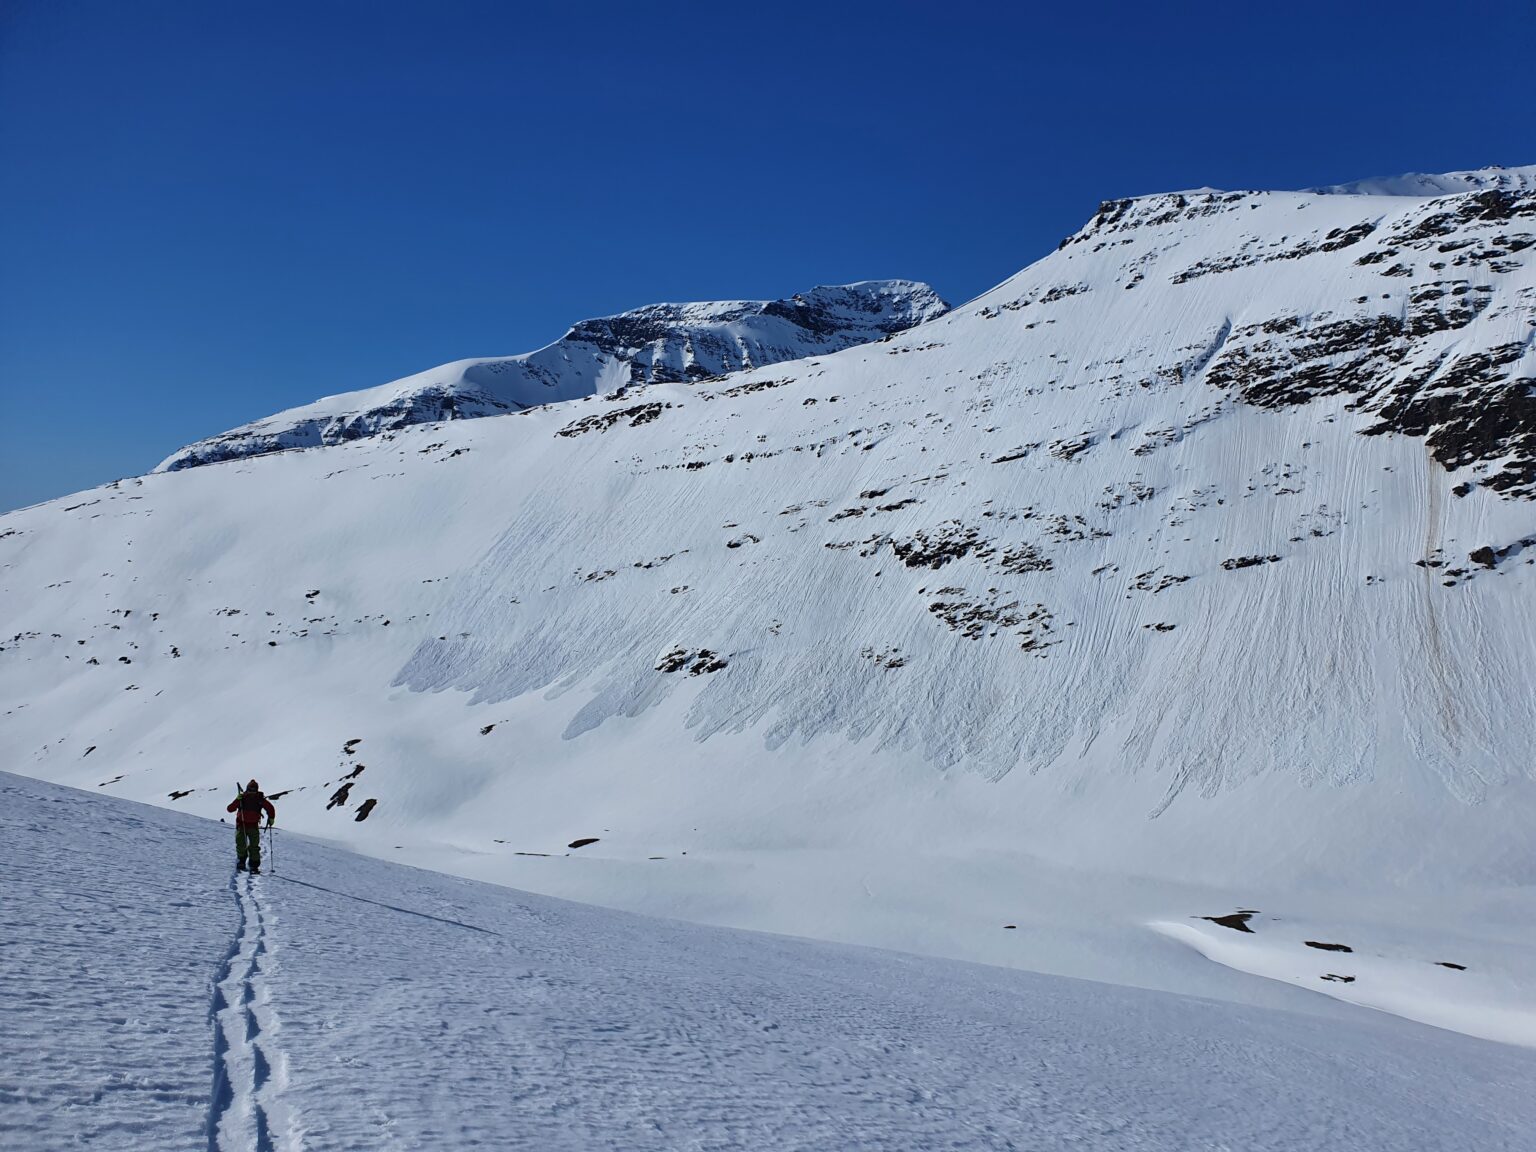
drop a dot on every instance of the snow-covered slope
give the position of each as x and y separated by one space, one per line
660 342
1190 570
156 1000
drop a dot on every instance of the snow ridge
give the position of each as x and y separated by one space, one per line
1522 179
654 344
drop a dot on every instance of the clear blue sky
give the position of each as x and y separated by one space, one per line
210 211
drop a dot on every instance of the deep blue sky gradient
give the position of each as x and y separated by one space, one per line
210 211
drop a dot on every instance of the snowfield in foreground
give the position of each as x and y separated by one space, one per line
153 999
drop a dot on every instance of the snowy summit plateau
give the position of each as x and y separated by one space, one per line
1163 617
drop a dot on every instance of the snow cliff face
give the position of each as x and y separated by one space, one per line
654 344
1202 547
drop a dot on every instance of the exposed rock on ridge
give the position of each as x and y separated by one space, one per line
660 343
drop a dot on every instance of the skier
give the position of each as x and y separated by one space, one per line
250 804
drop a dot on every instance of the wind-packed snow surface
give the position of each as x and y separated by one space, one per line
1187 573
152 998
649 345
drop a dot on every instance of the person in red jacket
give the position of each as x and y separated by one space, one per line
248 807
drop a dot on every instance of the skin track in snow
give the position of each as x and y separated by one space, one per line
247 1106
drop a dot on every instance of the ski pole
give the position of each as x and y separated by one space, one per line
272 846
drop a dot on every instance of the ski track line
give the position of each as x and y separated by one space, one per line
247 1111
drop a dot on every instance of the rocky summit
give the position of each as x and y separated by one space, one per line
654 344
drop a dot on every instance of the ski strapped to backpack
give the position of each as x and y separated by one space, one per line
250 801
254 802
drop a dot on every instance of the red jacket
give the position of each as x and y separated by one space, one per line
250 806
